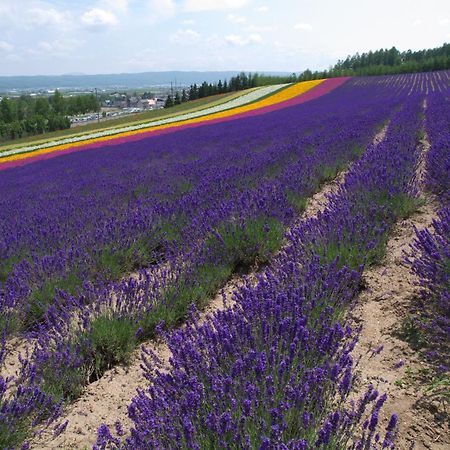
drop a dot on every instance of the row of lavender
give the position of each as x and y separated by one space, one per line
205 180
78 220
431 249
89 218
275 369
65 357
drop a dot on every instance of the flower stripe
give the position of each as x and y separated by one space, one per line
284 97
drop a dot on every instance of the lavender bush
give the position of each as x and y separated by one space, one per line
430 252
431 264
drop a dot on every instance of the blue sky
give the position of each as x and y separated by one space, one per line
111 36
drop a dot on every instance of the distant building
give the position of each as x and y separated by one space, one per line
149 103
160 102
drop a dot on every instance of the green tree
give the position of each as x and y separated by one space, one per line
6 110
169 102
42 107
58 103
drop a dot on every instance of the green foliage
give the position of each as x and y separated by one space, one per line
13 438
112 340
197 288
109 342
9 321
410 332
329 173
297 201
358 151
169 102
7 264
27 116
350 254
401 205
113 263
238 248
243 245
63 382
42 297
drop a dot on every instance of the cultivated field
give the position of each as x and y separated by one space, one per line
276 277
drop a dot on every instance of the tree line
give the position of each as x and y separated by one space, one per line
237 83
388 62
27 115
379 62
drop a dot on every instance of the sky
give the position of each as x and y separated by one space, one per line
51 37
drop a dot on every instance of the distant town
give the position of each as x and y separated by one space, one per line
117 104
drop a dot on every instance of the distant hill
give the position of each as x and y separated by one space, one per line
106 81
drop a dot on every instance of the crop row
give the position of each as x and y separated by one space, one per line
189 209
226 225
275 369
94 218
430 259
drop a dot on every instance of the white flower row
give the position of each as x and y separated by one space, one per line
234 103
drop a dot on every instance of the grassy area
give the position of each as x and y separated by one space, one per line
134 119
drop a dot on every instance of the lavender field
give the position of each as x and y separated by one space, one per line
104 250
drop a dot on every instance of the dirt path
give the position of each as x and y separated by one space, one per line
14 347
106 400
385 360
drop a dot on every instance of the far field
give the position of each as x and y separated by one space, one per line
134 119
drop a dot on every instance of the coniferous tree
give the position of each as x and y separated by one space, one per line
169 102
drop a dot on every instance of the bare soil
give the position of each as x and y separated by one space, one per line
381 308
387 361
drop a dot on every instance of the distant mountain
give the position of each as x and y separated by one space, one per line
108 81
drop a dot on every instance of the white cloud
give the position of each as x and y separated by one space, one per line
162 8
417 23
235 18
41 16
262 9
262 28
444 22
185 37
63 47
115 5
29 15
6 47
303 27
238 40
188 22
97 18
214 5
